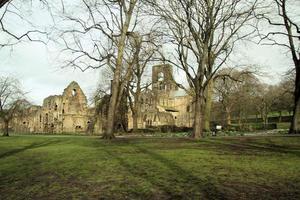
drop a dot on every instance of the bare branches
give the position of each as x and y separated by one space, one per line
285 26
3 2
286 34
9 37
92 39
205 32
100 36
10 93
12 101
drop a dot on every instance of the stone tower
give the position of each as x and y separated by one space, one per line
162 79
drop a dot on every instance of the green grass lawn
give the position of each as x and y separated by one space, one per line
70 167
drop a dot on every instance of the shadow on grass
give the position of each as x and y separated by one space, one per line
191 186
31 146
249 147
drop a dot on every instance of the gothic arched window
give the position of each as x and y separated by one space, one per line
74 92
160 76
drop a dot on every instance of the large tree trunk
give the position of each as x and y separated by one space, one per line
208 104
114 103
198 116
109 133
295 128
295 125
6 128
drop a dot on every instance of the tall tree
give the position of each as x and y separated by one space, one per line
11 100
127 7
281 96
234 90
204 34
208 104
264 98
285 91
286 25
146 47
99 38
226 90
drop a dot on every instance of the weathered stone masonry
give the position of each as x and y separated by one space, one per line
66 113
163 105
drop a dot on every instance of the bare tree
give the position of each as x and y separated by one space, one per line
281 96
99 39
146 47
204 34
287 26
285 91
234 89
226 90
11 100
264 98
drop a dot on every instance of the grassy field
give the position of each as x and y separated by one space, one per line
70 167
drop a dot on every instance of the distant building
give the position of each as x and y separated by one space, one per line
66 113
165 104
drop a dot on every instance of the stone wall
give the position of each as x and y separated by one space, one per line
66 113
165 104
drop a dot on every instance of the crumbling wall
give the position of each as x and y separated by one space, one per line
165 104
66 113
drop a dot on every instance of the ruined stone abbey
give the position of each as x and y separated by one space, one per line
66 113
164 104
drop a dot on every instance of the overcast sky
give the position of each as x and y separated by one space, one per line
41 75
